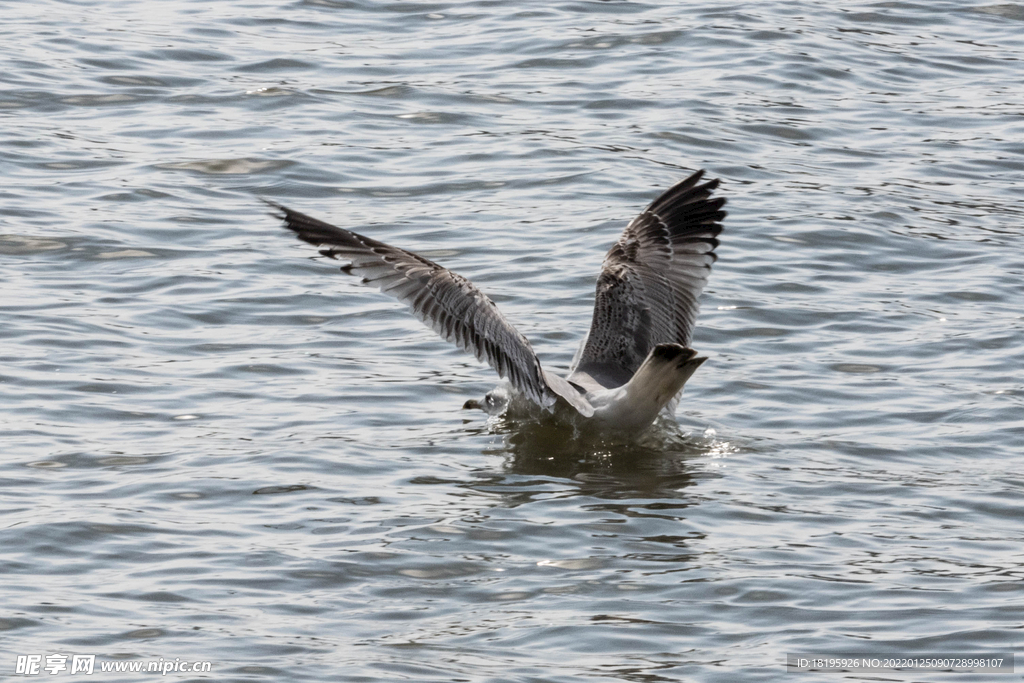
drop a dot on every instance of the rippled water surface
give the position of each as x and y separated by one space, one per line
217 447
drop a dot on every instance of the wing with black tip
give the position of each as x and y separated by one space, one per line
447 302
650 282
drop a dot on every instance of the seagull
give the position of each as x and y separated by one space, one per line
634 361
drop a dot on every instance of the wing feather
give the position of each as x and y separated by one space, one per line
445 301
651 280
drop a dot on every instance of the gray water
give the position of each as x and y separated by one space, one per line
216 447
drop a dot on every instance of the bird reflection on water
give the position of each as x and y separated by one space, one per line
662 460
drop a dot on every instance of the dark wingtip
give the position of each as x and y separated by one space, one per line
306 228
694 178
277 207
688 207
283 213
707 188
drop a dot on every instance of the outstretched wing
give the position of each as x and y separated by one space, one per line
650 281
446 301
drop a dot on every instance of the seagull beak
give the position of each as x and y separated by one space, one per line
472 404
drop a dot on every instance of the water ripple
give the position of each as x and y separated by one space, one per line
216 437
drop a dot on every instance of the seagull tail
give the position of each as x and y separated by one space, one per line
663 374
